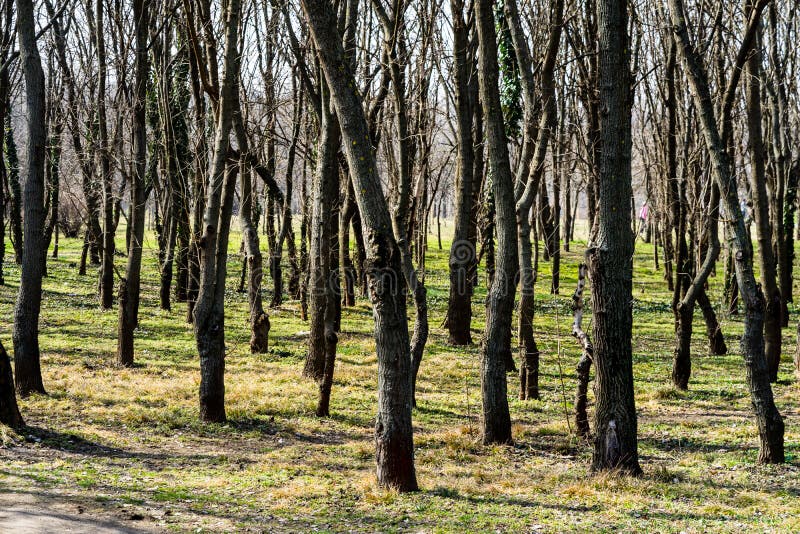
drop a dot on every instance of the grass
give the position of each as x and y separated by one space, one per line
127 442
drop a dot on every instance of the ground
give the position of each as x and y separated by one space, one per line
122 450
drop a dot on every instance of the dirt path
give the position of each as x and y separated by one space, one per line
25 513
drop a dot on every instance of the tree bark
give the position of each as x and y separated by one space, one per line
107 265
769 421
393 431
758 190
259 321
29 298
500 300
9 411
462 250
611 252
209 311
585 363
130 285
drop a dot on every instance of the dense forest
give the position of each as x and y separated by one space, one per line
383 265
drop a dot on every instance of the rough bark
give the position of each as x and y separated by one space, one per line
500 301
130 285
611 252
209 311
29 298
393 431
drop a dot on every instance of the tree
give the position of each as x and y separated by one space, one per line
768 419
610 253
109 224
209 311
29 298
462 251
9 411
129 288
394 442
500 302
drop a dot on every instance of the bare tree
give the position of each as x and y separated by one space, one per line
393 431
29 299
610 252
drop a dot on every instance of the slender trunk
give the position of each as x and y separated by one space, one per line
500 300
462 250
15 206
167 264
769 421
209 311
585 363
130 285
259 321
529 181
107 265
394 442
758 190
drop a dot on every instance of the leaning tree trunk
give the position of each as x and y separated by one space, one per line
769 421
29 298
610 253
500 300
393 431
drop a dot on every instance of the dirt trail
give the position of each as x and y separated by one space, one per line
24 513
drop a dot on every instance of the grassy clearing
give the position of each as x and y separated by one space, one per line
127 443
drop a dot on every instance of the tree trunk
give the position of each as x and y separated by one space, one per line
15 206
758 190
130 285
611 251
393 431
9 411
29 298
462 250
324 192
209 311
259 321
107 265
716 341
769 421
585 363
500 301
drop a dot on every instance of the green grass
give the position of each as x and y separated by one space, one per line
118 441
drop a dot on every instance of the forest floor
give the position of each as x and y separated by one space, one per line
123 448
